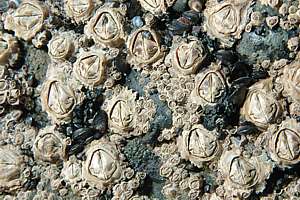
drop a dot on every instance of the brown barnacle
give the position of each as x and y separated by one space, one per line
284 143
27 20
90 68
61 46
106 26
198 145
186 55
256 18
262 106
291 80
144 47
283 9
79 10
9 49
156 6
50 145
293 43
210 87
102 167
272 21
226 20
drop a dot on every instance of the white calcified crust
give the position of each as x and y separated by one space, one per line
9 49
79 10
27 20
226 20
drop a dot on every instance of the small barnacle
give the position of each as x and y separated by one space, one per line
106 26
283 10
198 145
144 47
225 20
272 21
102 167
293 44
187 55
90 68
9 49
79 10
210 87
50 146
284 144
156 6
256 18
291 80
261 106
72 170
27 20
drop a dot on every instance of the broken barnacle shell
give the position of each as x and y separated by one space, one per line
103 165
27 20
50 145
198 145
226 20
186 55
106 26
284 142
291 80
243 173
210 86
156 6
9 49
262 105
79 10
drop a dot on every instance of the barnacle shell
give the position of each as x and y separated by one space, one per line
9 49
225 20
284 144
144 47
261 106
72 170
102 167
27 20
50 145
198 145
156 6
106 26
90 68
79 10
291 80
210 87
61 46
187 55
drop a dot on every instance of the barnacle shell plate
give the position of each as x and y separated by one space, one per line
9 49
61 46
80 10
291 80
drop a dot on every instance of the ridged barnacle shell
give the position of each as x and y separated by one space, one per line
90 67
27 20
210 87
72 170
102 167
121 110
291 80
79 10
284 143
61 46
225 20
50 145
9 49
198 145
12 164
156 6
144 47
106 26
187 55
261 106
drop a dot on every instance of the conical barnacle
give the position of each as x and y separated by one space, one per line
187 55
106 26
144 47
291 80
9 49
210 86
226 20
103 165
27 20
50 145
198 145
90 67
284 142
72 171
156 6
262 106
79 10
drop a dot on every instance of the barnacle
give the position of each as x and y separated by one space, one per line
226 20
9 49
291 80
156 6
262 106
106 26
79 10
198 145
27 20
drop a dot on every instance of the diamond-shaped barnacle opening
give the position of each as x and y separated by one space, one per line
61 46
79 10
291 80
155 6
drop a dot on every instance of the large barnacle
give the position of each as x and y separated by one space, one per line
198 145
9 49
79 10
27 20
102 167
106 26
156 6
61 46
261 106
291 80
225 20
